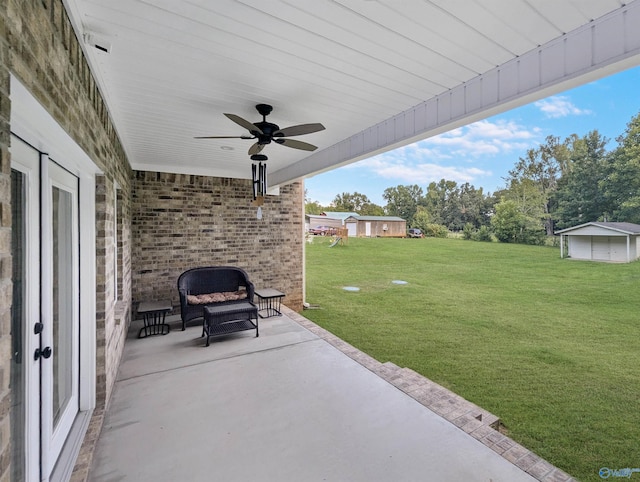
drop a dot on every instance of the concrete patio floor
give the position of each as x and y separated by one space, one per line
295 404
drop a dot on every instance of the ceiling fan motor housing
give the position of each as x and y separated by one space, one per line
267 129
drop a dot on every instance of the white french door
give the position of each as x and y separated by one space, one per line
60 303
45 318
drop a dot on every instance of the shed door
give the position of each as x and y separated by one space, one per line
352 229
367 229
600 248
618 249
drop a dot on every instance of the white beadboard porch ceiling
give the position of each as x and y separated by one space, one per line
174 67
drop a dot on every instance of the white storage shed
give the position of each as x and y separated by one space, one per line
601 241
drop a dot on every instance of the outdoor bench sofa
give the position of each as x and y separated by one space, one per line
228 294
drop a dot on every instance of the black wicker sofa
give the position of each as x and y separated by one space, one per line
212 286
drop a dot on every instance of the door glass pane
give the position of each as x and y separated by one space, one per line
62 322
18 323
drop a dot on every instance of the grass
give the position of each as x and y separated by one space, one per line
550 346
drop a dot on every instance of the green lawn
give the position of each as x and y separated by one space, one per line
550 346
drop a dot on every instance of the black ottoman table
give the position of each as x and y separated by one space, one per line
229 318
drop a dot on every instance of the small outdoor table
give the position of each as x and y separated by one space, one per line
153 314
269 301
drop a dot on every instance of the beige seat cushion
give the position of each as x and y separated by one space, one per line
207 298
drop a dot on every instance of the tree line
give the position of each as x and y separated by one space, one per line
559 184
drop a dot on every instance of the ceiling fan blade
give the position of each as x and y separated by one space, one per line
256 149
244 123
225 137
305 146
298 130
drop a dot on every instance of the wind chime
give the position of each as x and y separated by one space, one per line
259 181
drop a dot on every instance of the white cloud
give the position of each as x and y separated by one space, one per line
559 106
483 138
389 166
449 155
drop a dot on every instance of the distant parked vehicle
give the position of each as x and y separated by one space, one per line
415 233
323 230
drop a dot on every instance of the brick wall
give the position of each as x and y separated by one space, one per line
39 46
5 257
183 221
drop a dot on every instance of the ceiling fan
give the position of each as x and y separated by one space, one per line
265 132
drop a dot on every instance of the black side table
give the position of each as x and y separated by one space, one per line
270 301
154 313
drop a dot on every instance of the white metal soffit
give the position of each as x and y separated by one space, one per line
378 74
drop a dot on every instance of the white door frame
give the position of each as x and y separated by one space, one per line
32 123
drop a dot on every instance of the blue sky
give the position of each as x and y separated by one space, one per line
482 153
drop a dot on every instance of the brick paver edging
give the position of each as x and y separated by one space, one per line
470 418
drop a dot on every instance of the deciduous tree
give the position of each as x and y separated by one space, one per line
540 170
579 197
621 186
350 202
439 199
508 222
403 201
